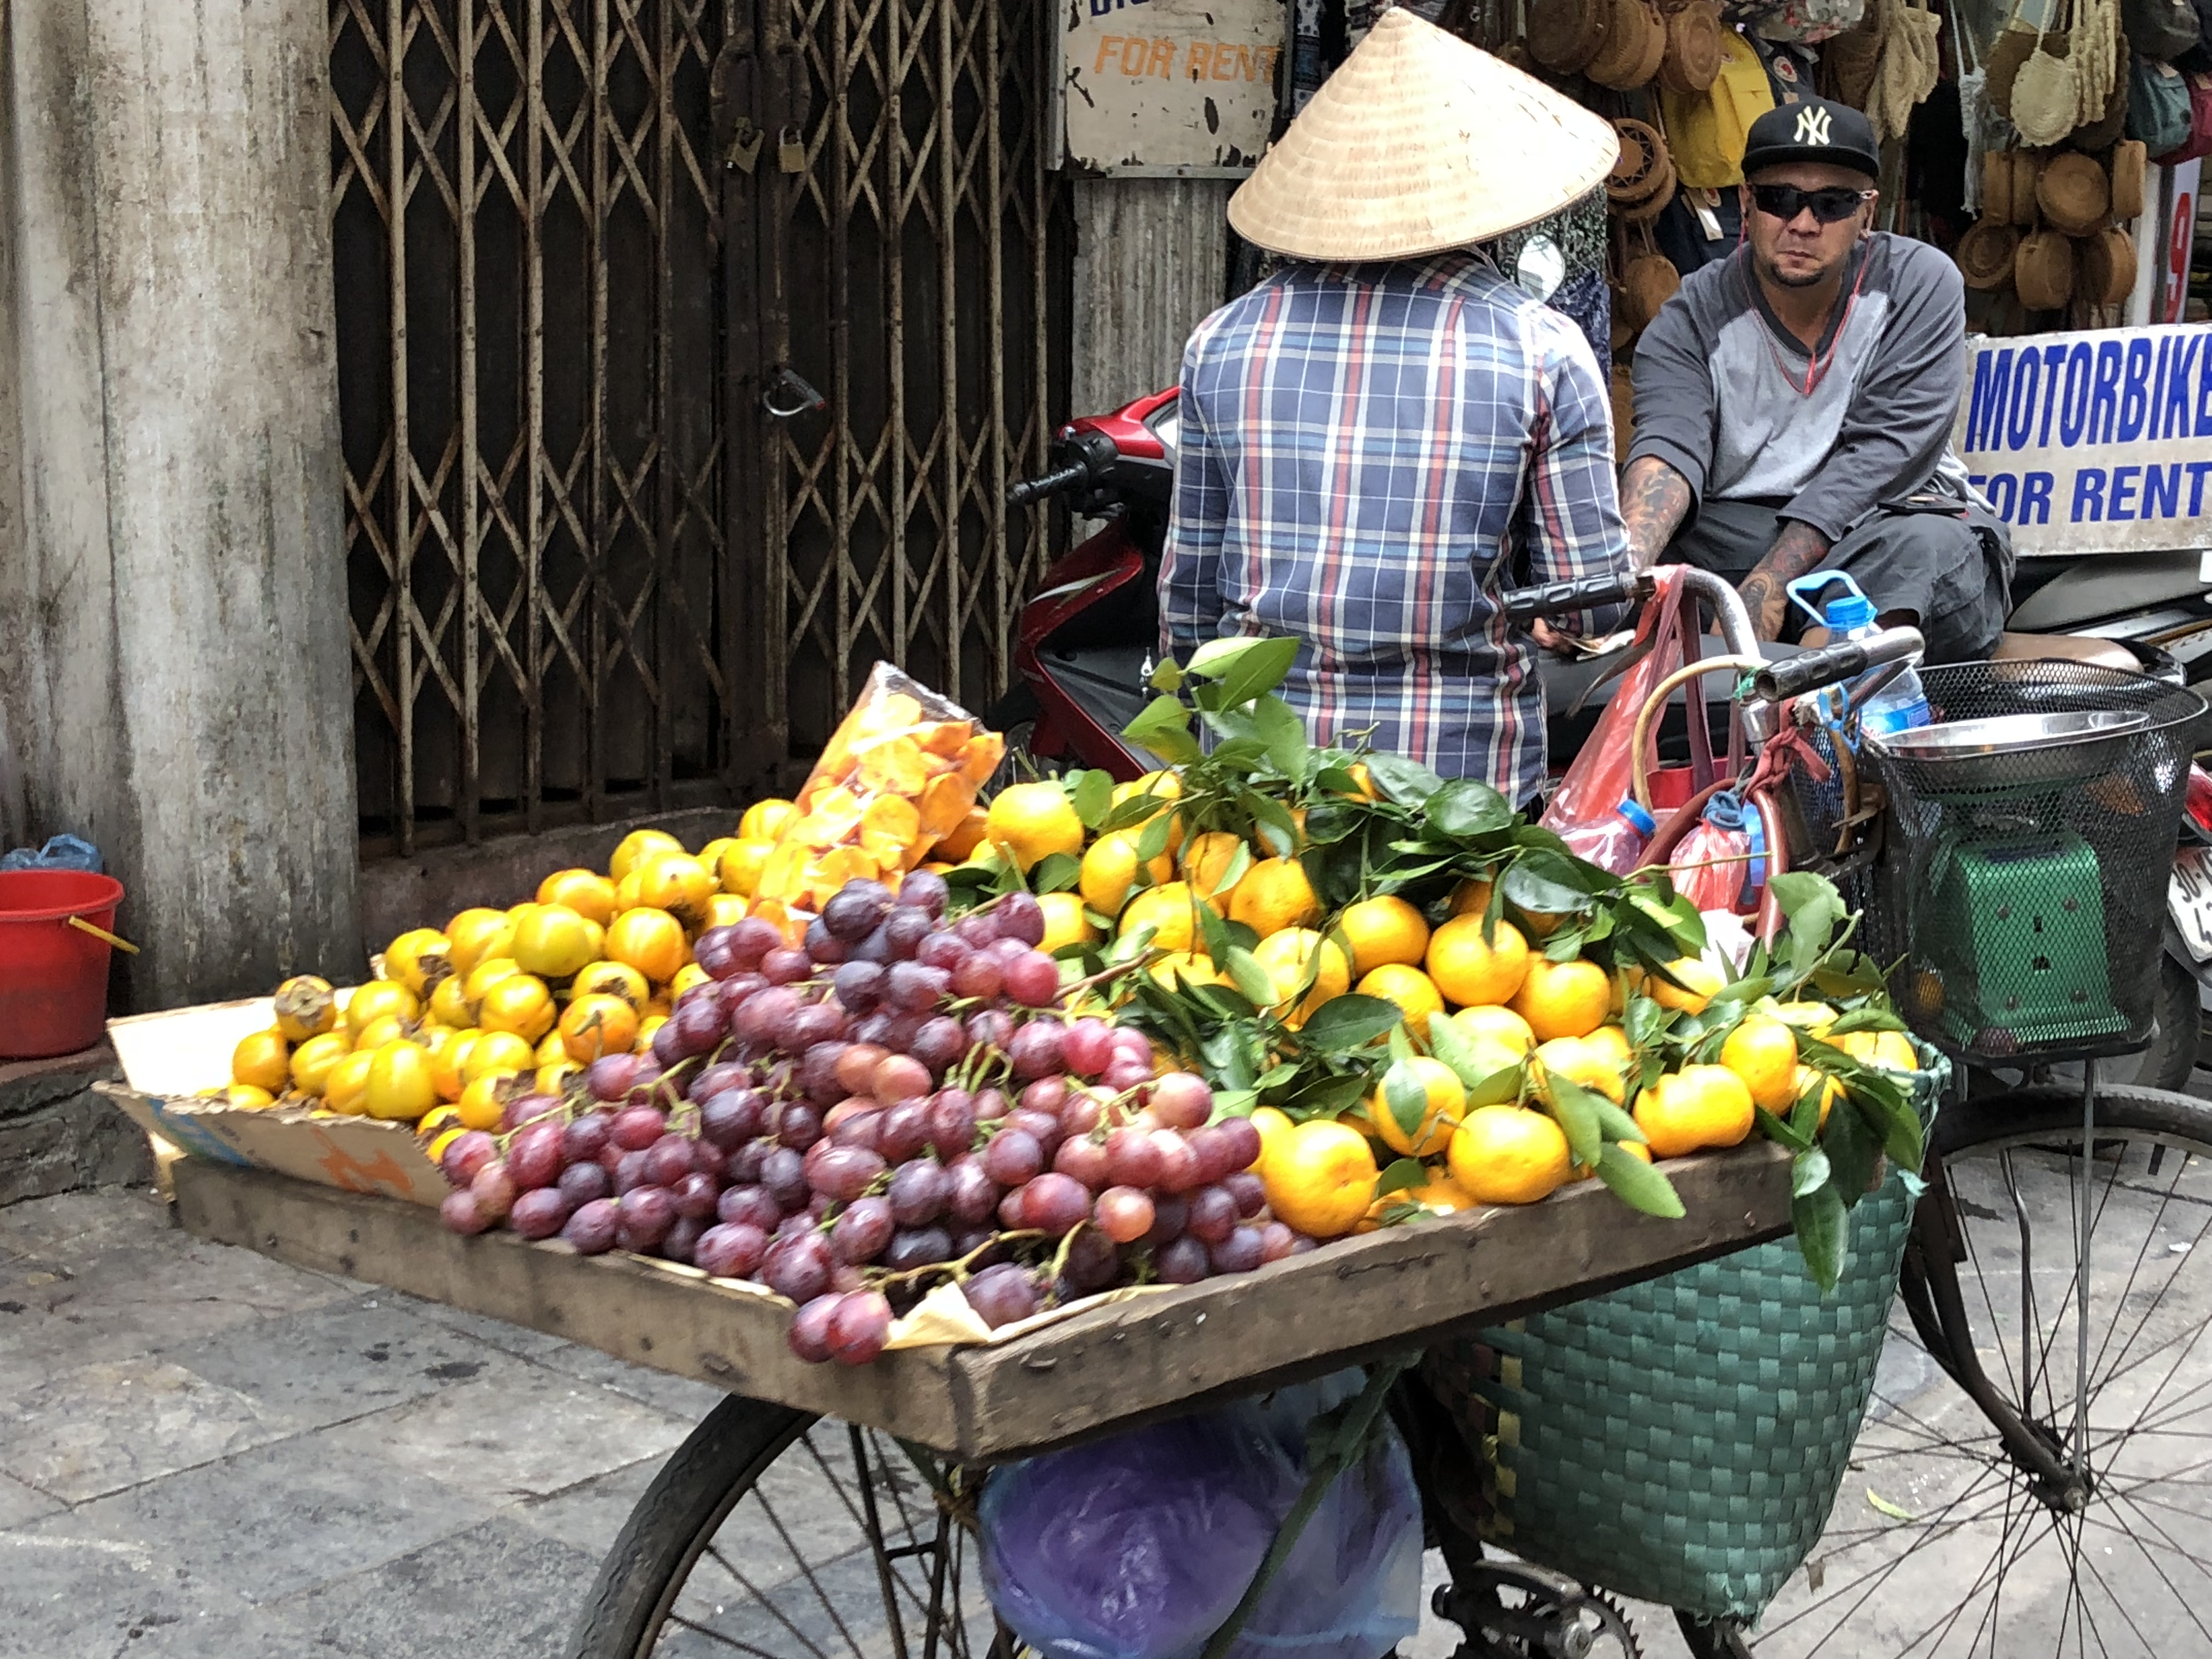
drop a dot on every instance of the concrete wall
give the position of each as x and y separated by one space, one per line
1152 259
174 683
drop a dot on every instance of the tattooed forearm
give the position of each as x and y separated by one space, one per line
1795 550
1654 500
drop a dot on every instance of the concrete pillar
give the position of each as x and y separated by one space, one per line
175 682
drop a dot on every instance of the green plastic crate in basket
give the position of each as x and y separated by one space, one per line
1682 1441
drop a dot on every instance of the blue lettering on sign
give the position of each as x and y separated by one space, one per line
2103 396
2135 391
2161 490
2035 498
1986 412
2089 495
1101 7
2197 471
2002 489
2053 357
2074 413
2021 422
2119 506
2174 411
2205 395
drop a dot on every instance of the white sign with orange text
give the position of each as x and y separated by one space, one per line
1169 87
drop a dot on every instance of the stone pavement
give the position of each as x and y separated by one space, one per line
205 1452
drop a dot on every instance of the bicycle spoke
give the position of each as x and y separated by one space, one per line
1935 1530
713 1635
769 1603
2127 1387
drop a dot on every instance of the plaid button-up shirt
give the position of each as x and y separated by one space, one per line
1368 456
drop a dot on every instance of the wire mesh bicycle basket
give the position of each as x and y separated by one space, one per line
2033 827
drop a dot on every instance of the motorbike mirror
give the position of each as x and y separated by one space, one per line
1541 268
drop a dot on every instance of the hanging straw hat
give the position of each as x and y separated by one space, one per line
1417 144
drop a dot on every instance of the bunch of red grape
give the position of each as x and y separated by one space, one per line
901 1099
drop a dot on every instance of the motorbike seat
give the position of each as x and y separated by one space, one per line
2067 647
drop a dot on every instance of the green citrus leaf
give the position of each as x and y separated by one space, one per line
1637 1184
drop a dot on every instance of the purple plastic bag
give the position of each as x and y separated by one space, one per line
1140 1546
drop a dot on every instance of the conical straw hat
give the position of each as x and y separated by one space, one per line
1420 143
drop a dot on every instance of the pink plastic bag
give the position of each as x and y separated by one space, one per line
1717 863
1603 775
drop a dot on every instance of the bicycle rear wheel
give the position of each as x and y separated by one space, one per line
1940 1544
774 1533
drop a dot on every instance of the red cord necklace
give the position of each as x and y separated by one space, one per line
1820 362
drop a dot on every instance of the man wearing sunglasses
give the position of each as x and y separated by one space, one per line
1794 402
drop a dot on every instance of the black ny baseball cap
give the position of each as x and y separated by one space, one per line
1816 130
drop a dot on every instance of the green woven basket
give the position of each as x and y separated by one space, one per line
1682 1441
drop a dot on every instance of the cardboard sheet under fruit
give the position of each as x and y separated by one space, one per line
169 1058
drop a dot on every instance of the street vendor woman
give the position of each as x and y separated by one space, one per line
1793 403
1386 432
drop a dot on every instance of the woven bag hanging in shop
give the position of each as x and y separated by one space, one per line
2105 131
2130 163
1849 61
1996 186
1642 181
1649 279
1985 253
2106 267
1909 66
1693 48
2023 186
2042 271
1974 115
2014 45
1635 45
2068 77
1564 35
2073 193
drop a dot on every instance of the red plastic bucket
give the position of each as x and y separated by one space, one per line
53 977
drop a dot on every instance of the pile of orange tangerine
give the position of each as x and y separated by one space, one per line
497 1001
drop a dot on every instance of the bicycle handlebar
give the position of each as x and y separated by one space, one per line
1846 661
1526 604
1050 483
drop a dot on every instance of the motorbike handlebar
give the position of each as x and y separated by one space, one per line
1071 476
1846 661
1526 604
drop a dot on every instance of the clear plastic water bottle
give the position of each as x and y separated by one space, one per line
1900 705
1615 843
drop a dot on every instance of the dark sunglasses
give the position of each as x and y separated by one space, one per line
1832 203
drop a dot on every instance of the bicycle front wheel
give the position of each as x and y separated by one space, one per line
1941 1545
776 1534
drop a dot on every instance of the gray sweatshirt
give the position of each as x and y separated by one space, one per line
1720 396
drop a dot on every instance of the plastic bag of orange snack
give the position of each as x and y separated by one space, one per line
900 770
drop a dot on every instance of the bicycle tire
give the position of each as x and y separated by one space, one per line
775 1532
700 1483
1868 1588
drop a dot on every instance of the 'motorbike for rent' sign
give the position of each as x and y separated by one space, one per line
2094 442
1175 86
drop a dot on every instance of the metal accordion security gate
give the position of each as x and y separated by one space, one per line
685 350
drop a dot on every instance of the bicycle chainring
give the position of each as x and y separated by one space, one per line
1553 1617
